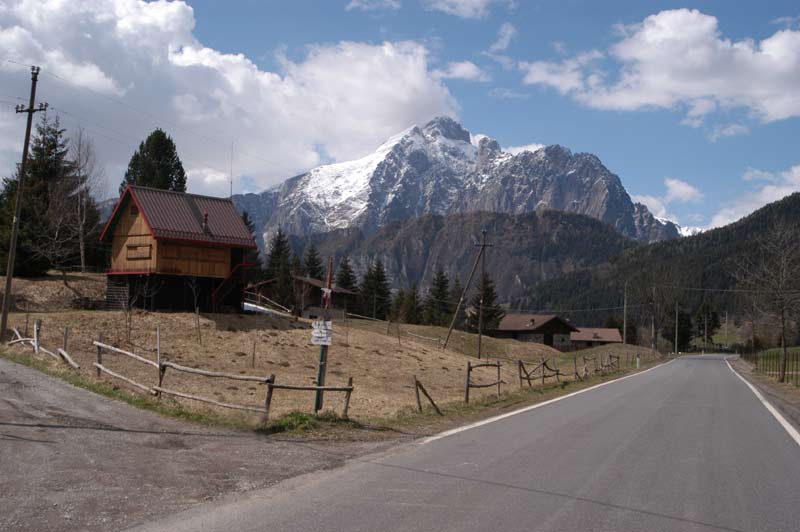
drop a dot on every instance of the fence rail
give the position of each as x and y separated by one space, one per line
769 363
469 384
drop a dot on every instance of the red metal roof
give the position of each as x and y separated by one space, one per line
181 216
529 322
585 334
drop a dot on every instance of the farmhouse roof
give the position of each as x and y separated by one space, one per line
585 334
189 217
530 322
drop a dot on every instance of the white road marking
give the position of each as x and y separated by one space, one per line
772 410
531 407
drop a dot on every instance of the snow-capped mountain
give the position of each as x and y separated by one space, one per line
442 169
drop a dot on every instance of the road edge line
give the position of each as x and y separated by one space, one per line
788 427
533 407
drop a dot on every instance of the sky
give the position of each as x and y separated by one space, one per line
695 106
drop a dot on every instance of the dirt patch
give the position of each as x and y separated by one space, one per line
57 292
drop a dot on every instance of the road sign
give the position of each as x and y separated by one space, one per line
321 332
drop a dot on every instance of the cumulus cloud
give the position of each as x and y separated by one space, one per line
679 58
373 5
466 70
124 67
677 191
464 8
655 205
527 147
505 35
773 186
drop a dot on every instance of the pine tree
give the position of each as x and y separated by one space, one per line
412 306
313 263
492 314
279 268
685 330
375 293
251 256
345 277
156 164
706 316
455 296
438 310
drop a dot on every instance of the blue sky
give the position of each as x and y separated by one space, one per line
696 111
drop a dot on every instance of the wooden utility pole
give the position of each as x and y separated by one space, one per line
461 299
323 349
676 328
12 245
625 315
483 245
653 322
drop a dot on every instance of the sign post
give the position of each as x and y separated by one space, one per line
322 335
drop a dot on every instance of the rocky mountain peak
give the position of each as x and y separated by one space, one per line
444 126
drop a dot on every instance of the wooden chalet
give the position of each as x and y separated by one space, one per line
174 251
547 329
590 337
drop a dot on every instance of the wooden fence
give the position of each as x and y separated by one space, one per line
469 384
542 368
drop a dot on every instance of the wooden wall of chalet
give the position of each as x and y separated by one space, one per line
190 259
133 249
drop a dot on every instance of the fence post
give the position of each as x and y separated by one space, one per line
161 368
99 353
416 393
27 315
543 370
519 372
347 396
498 379
637 360
270 381
37 327
66 335
466 383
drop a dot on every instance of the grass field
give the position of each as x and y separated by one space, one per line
381 364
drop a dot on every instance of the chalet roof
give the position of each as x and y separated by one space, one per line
181 216
530 322
586 334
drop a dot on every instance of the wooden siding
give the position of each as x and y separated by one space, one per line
189 259
133 248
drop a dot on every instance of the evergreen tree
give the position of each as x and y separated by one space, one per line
251 255
279 268
47 166
345 277
412 306
375 293
156 164
492 314
313 263
455 296
438 308
685 330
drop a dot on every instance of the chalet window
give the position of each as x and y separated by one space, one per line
138 252
134 210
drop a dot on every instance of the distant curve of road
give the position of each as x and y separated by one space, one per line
684 447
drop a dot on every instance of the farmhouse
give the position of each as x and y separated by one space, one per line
588 337
176 251
547 329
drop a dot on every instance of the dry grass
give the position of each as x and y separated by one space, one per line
380 365
43 294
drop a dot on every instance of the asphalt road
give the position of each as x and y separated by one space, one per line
684 447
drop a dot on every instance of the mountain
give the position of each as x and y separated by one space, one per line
442 169
708 259
526 248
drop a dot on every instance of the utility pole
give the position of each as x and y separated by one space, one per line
676 328
483 246
653 322
323 349
705 331
625 315
726 329
12 245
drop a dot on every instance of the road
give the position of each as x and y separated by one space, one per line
684 447
73 460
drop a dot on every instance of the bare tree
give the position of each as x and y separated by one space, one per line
771 274
87 181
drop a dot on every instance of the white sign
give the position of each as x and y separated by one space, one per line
321 332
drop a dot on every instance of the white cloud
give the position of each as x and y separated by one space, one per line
778 185
680 191
655 205
787 22
464 8
373 5
502 93
730 130
527 147
466 70
679 58
505 35
337 101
